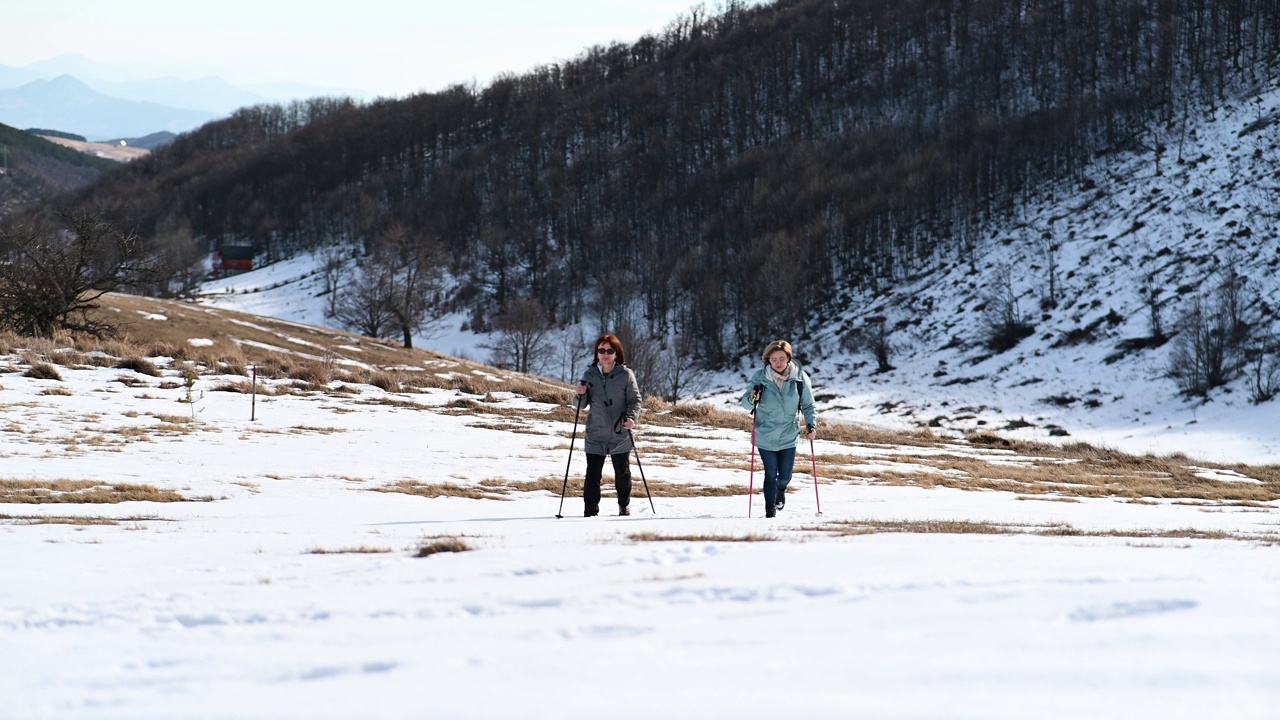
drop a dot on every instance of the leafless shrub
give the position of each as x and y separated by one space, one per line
1004 323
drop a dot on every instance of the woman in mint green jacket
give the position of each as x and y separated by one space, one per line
779 392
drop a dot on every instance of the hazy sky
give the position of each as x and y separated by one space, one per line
385 47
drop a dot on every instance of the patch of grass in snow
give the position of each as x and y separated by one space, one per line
82 491
296 360
446 489
360 550
1057 473
42 371
970 527
442 544
57 520
704 537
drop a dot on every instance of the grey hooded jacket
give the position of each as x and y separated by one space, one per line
613 398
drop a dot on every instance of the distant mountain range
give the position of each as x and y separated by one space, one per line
101 101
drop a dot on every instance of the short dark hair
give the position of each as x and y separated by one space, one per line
615 343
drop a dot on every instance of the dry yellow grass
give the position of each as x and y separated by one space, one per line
430 490
657 537
443 544
82 491
290 358
968 527
359 550
58 520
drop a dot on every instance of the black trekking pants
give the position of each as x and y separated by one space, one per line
621 481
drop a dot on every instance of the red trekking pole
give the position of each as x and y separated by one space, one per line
813 458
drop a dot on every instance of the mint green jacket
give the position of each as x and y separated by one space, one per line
777 424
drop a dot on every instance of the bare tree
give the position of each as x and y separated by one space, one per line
1263 362
1049 250
51 278
397 289
522 332
1151 292
1004 322
181 255
414 268
567 350
677 373
362 306
1213 340
872 338
334 265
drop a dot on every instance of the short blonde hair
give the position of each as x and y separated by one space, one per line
775 346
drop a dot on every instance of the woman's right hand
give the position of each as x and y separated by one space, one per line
581 389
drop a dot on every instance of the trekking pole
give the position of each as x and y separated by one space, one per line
751 485
646 482
577 401
813 458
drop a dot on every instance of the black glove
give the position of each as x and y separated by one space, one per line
756 393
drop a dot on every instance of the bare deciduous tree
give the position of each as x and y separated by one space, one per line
363 304
1003 320
1212 340
522 333
181 255
415 270
52 277
397 289
872 338
334 265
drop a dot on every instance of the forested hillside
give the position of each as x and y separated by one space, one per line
721 179
34 170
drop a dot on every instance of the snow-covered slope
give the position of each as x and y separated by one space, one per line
1208 208
1208 202
173 551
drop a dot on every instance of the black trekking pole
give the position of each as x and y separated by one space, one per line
646 482
577 401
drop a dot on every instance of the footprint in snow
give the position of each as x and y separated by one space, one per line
1122 610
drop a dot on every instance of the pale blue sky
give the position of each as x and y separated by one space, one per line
386 47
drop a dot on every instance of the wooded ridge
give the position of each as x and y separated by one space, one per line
722 179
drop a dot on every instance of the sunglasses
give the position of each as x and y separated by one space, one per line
605 351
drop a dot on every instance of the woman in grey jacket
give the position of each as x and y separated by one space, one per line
779 391
609 388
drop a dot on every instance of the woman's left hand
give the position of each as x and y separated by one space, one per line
628 423
813 432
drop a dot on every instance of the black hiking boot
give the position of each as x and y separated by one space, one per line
781 499
624 510
769 511
591 512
